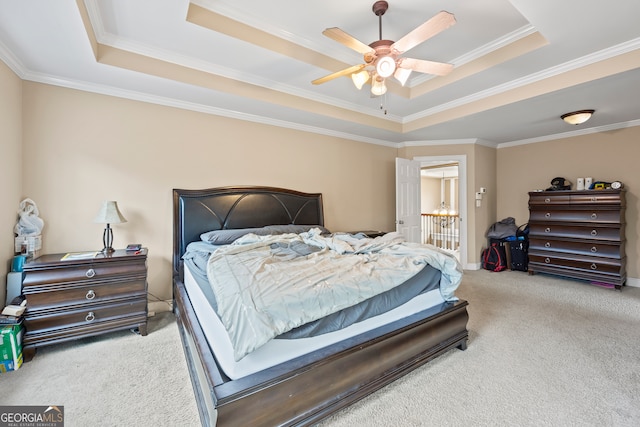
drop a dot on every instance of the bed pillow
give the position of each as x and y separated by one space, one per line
225 237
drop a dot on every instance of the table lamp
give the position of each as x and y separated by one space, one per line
109 214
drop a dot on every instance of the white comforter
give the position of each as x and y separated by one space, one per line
261 295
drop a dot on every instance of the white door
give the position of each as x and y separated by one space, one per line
408 199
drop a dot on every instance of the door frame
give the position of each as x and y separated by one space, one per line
461 159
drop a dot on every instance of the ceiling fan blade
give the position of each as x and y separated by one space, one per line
433 26
349 41
345 72
427 67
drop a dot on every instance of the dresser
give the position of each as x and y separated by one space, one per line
578 234
74 298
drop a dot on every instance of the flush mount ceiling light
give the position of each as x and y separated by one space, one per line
577 117
382 57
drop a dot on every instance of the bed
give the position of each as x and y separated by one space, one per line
310 384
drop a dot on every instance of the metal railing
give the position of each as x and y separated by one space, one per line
441 230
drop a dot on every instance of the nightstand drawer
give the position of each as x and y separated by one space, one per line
83 317
62 275
86 294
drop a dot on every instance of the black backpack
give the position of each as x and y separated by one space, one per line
494 258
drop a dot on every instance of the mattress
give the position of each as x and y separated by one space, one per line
280 351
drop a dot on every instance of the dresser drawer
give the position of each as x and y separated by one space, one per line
596 249
542 199
601 199
90 293
575 262
583 215
87 316
601 233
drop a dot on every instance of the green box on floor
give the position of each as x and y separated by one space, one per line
10 347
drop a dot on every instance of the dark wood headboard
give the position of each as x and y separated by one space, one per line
198 211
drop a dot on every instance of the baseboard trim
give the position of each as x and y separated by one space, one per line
633 282
160 306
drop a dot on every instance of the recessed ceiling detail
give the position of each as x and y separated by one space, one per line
518 65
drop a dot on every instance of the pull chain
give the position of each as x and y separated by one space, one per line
382 102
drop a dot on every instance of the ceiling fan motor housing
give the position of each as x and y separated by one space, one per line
380 7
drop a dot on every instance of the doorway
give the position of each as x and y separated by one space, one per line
452 193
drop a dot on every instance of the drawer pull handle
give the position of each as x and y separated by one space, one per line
594 232
90 317
90 273
594 267
547 200
547 230
594 249
594 215
90 294
547 245
593 199
547 260
547 215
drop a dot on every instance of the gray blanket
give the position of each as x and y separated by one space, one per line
261 295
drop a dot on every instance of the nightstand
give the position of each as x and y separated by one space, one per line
71 299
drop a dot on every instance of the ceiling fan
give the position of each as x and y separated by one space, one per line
382 58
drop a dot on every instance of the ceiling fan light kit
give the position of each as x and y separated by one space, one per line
360 78
385 66
378 87
382 56
577 117
402 75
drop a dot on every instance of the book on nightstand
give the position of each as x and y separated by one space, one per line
79 255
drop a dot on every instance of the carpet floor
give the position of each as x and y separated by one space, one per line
543 351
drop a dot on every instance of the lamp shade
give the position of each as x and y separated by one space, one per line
109 213
402 74
378 87
360 78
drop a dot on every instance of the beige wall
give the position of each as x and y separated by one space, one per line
69 150
10 166
429 194
605 156
81 148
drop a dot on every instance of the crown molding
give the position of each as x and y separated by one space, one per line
575 64
571 134
12 61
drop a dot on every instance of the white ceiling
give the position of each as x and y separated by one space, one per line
519 64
